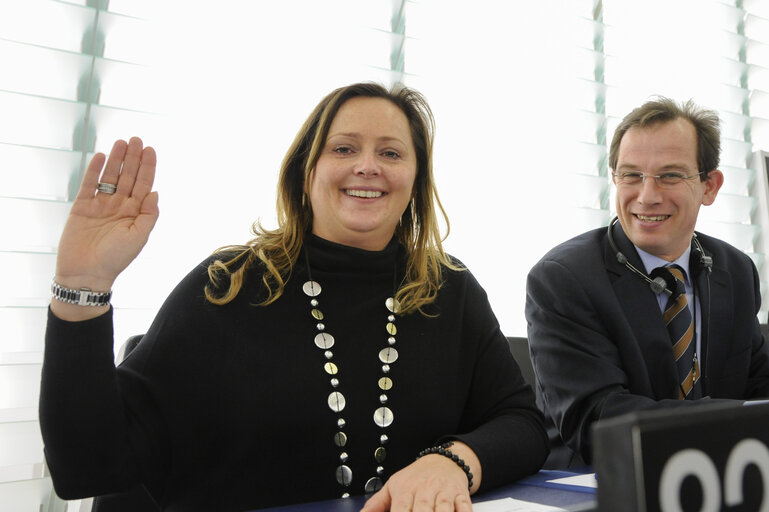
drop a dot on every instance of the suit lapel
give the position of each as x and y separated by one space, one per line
644 317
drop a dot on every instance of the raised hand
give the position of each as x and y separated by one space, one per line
105 231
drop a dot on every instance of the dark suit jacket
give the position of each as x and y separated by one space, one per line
600 347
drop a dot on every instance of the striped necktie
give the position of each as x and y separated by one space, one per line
678 319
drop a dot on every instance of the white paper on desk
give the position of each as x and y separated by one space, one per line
513 505
586 480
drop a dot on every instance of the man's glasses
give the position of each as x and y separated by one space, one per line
664 180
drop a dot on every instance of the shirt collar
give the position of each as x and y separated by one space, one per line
651 261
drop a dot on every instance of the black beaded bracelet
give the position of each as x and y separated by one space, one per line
443 449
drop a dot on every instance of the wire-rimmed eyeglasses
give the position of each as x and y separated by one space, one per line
664 180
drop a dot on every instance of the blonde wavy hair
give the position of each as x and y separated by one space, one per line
278 250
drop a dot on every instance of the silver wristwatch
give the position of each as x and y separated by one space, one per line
81 297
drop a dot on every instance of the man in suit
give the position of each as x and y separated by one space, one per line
597 308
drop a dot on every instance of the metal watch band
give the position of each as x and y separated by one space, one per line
81 297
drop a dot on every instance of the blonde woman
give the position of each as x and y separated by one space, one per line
341 354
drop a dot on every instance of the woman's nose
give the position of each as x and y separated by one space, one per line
367 165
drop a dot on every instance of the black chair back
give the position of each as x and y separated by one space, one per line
519 347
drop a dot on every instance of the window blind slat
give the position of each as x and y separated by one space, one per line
39 121
736 179
46 23
37 173
742 236
30 282
22 329
20 388
31 70
36 225
729 208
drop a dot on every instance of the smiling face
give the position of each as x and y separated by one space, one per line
661 220
364 177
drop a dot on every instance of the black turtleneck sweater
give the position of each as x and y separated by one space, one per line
226 407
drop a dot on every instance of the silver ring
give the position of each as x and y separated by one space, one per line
107 188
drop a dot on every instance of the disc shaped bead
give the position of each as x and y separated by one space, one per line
391 329
324 340
392 305
373 484
331 368
380 454
336 401
311 289
340 439
317 314
343 475
388 355
385 383
383 417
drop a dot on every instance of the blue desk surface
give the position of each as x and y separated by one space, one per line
536 488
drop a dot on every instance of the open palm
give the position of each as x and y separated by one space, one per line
105 232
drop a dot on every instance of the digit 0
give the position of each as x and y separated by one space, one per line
747 451
689 462
696 463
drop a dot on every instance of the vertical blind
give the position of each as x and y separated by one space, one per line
526 96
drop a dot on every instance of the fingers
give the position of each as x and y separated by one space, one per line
145 176
416 494
138 172
462 503
425 500
130 166
114 162
379 502
91 176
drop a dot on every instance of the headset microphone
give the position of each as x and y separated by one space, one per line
658 285
661 280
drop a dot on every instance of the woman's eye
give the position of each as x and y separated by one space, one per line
391 154
342 150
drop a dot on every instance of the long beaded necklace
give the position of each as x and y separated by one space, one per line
383 415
